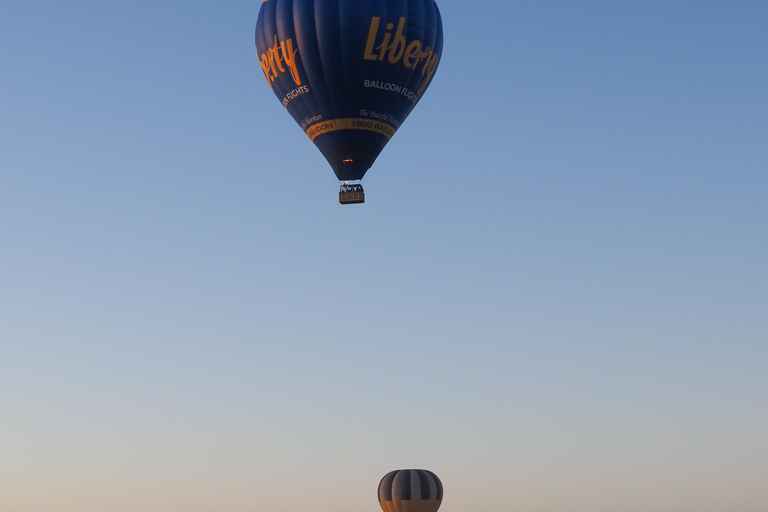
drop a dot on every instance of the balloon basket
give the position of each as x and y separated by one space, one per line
351 194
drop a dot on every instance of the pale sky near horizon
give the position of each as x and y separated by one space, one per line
554 298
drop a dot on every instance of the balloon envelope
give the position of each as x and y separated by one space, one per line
349 71
410 490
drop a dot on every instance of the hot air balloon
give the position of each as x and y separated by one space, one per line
349 72
410 490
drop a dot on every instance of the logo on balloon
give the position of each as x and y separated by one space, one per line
411 55
273 59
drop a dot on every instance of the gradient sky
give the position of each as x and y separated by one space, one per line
555 297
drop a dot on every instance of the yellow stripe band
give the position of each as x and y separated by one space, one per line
333 125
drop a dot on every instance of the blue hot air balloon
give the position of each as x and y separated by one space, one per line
349 72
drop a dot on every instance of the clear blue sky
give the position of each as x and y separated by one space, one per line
555 297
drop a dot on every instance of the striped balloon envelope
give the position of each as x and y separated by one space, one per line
349 71
410 490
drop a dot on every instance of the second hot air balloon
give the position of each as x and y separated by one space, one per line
349 72
410 490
